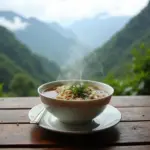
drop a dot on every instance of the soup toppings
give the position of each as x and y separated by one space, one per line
79 92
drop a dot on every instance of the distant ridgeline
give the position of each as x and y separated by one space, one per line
46 39
126 57
115 53
21 71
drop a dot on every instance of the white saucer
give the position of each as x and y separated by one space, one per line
109 118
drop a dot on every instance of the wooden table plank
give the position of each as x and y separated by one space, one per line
131 101
146 147
119 101
135 113
14 116
128 114
125 133
19 102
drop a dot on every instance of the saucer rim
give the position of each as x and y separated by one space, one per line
57 130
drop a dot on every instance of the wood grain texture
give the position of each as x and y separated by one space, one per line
131 101
19 102
14 116
132 131
135 113
128 114
118 101
146 147
125 133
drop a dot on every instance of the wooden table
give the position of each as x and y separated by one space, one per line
132 133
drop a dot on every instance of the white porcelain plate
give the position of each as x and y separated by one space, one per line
109 118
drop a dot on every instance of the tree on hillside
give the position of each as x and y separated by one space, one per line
141 65
23 85
138 81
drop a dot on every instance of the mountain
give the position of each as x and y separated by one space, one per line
17 61
10 15
66 32
97 30
48 40
115 53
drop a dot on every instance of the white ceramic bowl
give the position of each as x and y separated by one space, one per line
75 112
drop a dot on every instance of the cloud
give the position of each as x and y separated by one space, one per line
68 10
16 24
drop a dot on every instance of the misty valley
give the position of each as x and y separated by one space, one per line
114 50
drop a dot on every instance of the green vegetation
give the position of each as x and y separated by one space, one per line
137 81
23 85
123 62
47 39
1 90
125 59
21 71
115 53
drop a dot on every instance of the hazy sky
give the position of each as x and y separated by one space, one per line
68 10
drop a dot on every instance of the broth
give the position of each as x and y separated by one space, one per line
77 93
50 93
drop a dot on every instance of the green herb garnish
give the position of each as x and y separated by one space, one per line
79 90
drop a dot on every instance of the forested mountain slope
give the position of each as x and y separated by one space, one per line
117 51
16 58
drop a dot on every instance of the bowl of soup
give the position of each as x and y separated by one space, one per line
75 101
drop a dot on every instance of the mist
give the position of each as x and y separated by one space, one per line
82 68
16 24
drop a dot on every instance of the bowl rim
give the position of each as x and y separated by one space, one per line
63 100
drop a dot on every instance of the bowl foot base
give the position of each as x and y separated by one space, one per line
76 122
